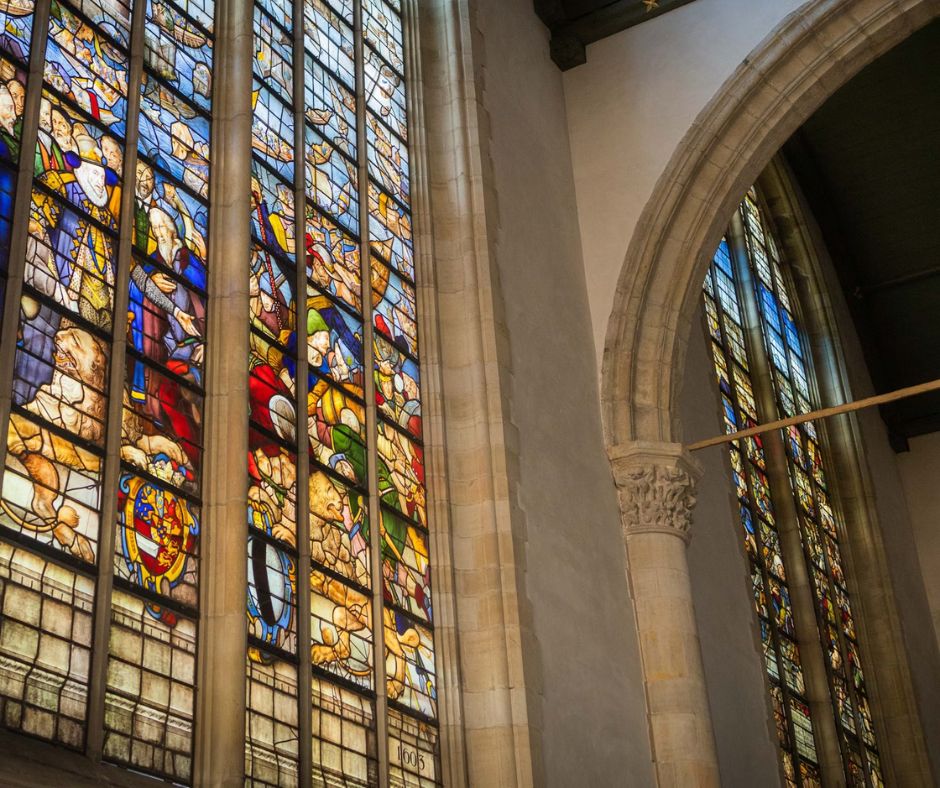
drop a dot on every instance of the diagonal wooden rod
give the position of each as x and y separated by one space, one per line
824 413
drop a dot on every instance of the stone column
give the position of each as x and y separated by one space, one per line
656 486
220 721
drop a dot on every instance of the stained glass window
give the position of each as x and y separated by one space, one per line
747 290
365 595
98 267
105 251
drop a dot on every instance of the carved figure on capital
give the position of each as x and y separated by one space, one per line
656 498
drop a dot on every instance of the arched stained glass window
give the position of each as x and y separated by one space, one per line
102 490
791 527
338 544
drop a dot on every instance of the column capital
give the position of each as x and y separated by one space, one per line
656 487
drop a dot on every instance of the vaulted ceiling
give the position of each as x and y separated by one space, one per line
577 23
869 164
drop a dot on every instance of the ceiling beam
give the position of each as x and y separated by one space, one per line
572 33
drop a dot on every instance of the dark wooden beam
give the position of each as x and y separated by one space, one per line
572 33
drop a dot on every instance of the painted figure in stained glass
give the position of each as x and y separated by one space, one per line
333 259
393 299
334 342
331 180
406 566
162 435
391 231
272 469
335 423
408 659
176 318
272 503
270 297
69 256
174 136
49 465
272 211
157 539
339 528
12 101
153 190
342 628
401 474
397 381
389 159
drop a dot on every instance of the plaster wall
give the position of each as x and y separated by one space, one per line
724 610
629 107
593 710
920 470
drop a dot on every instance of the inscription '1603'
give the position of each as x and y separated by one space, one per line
410 757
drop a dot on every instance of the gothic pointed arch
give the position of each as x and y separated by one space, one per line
796 68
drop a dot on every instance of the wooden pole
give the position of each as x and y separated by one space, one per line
824 413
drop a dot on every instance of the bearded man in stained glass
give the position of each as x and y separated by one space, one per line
9 132
166 326
69 259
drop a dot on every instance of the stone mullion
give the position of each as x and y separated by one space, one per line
301 384
799 583
220 700
16 261
112 468
808 523
447 667
368 353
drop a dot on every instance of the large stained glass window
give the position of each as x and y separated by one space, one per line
764 373
100 502
341 677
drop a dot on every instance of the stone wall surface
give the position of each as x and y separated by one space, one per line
593 711
630 106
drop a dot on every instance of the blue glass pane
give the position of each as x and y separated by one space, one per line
272 132
330 107
330 40
174 136
180 52
16 27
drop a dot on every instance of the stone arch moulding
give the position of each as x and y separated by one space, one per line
802 62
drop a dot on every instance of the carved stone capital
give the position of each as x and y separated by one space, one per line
656 485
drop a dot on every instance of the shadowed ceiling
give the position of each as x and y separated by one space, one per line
577 23
869 164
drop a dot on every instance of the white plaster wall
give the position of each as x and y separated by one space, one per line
920 475
593 706
724 607
629 107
